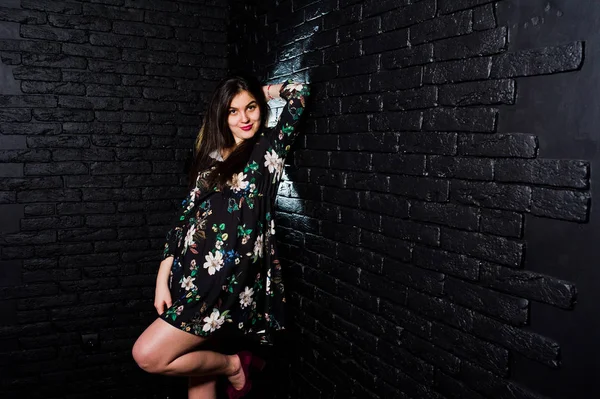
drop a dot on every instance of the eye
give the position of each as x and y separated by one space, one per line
252 107
232 111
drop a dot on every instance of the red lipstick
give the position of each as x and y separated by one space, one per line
246 128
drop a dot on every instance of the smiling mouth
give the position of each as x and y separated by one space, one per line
246 128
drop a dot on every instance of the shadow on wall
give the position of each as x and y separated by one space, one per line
403 217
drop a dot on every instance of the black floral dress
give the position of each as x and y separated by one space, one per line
225 267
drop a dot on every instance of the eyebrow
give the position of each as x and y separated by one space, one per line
247 105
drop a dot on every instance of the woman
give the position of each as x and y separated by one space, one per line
220 267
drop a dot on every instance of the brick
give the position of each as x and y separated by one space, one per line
427 142
530 285
53 88
541 61
458 71
157 5
348 124
54 34
365 181
86 234
46 223
91 128
454 389
39 209
489 356
62 115
445 214
376 142
399 163
33 73
29 46
403 120
55 168
448 6
492 195
462 119
360 103
409 230
476 44
112 13
392 247
92 181
45 129
404 17
424 188
102 168
21 16
102 103
372 7
478 93
495 249
171 71
467 168
15 115
142 29
549 172
415 277
91 51
386 204
456 24
561 204
80 22
386 41
85 208
28 238
484 17
113 91
52 6
446 262
359 30
502 223
153 57
511 309
488 383
358 66
58 141
10 58
511 145
425 97
414 55
111 39
441 309
27 101
430 353
135 80
362 219
116 67
406 319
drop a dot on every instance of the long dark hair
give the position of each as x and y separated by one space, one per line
215 134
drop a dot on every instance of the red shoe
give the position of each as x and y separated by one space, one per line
248 361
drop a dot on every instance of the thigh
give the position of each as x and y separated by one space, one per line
161 342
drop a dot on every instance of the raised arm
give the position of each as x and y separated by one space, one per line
285 132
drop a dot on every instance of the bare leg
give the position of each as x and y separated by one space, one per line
164 349
202 388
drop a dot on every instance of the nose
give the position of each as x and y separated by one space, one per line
245 117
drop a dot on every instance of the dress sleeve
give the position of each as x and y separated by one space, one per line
170 244
285 132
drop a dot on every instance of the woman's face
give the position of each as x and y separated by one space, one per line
243 116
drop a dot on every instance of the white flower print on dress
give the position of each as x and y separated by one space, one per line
213 322
189 238
246 297
188 283
258 246
237 182
268 282
213 263
272 227
273 163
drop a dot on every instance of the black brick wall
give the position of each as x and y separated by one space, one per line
437 214
100 101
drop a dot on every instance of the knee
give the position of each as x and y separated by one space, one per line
147 358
